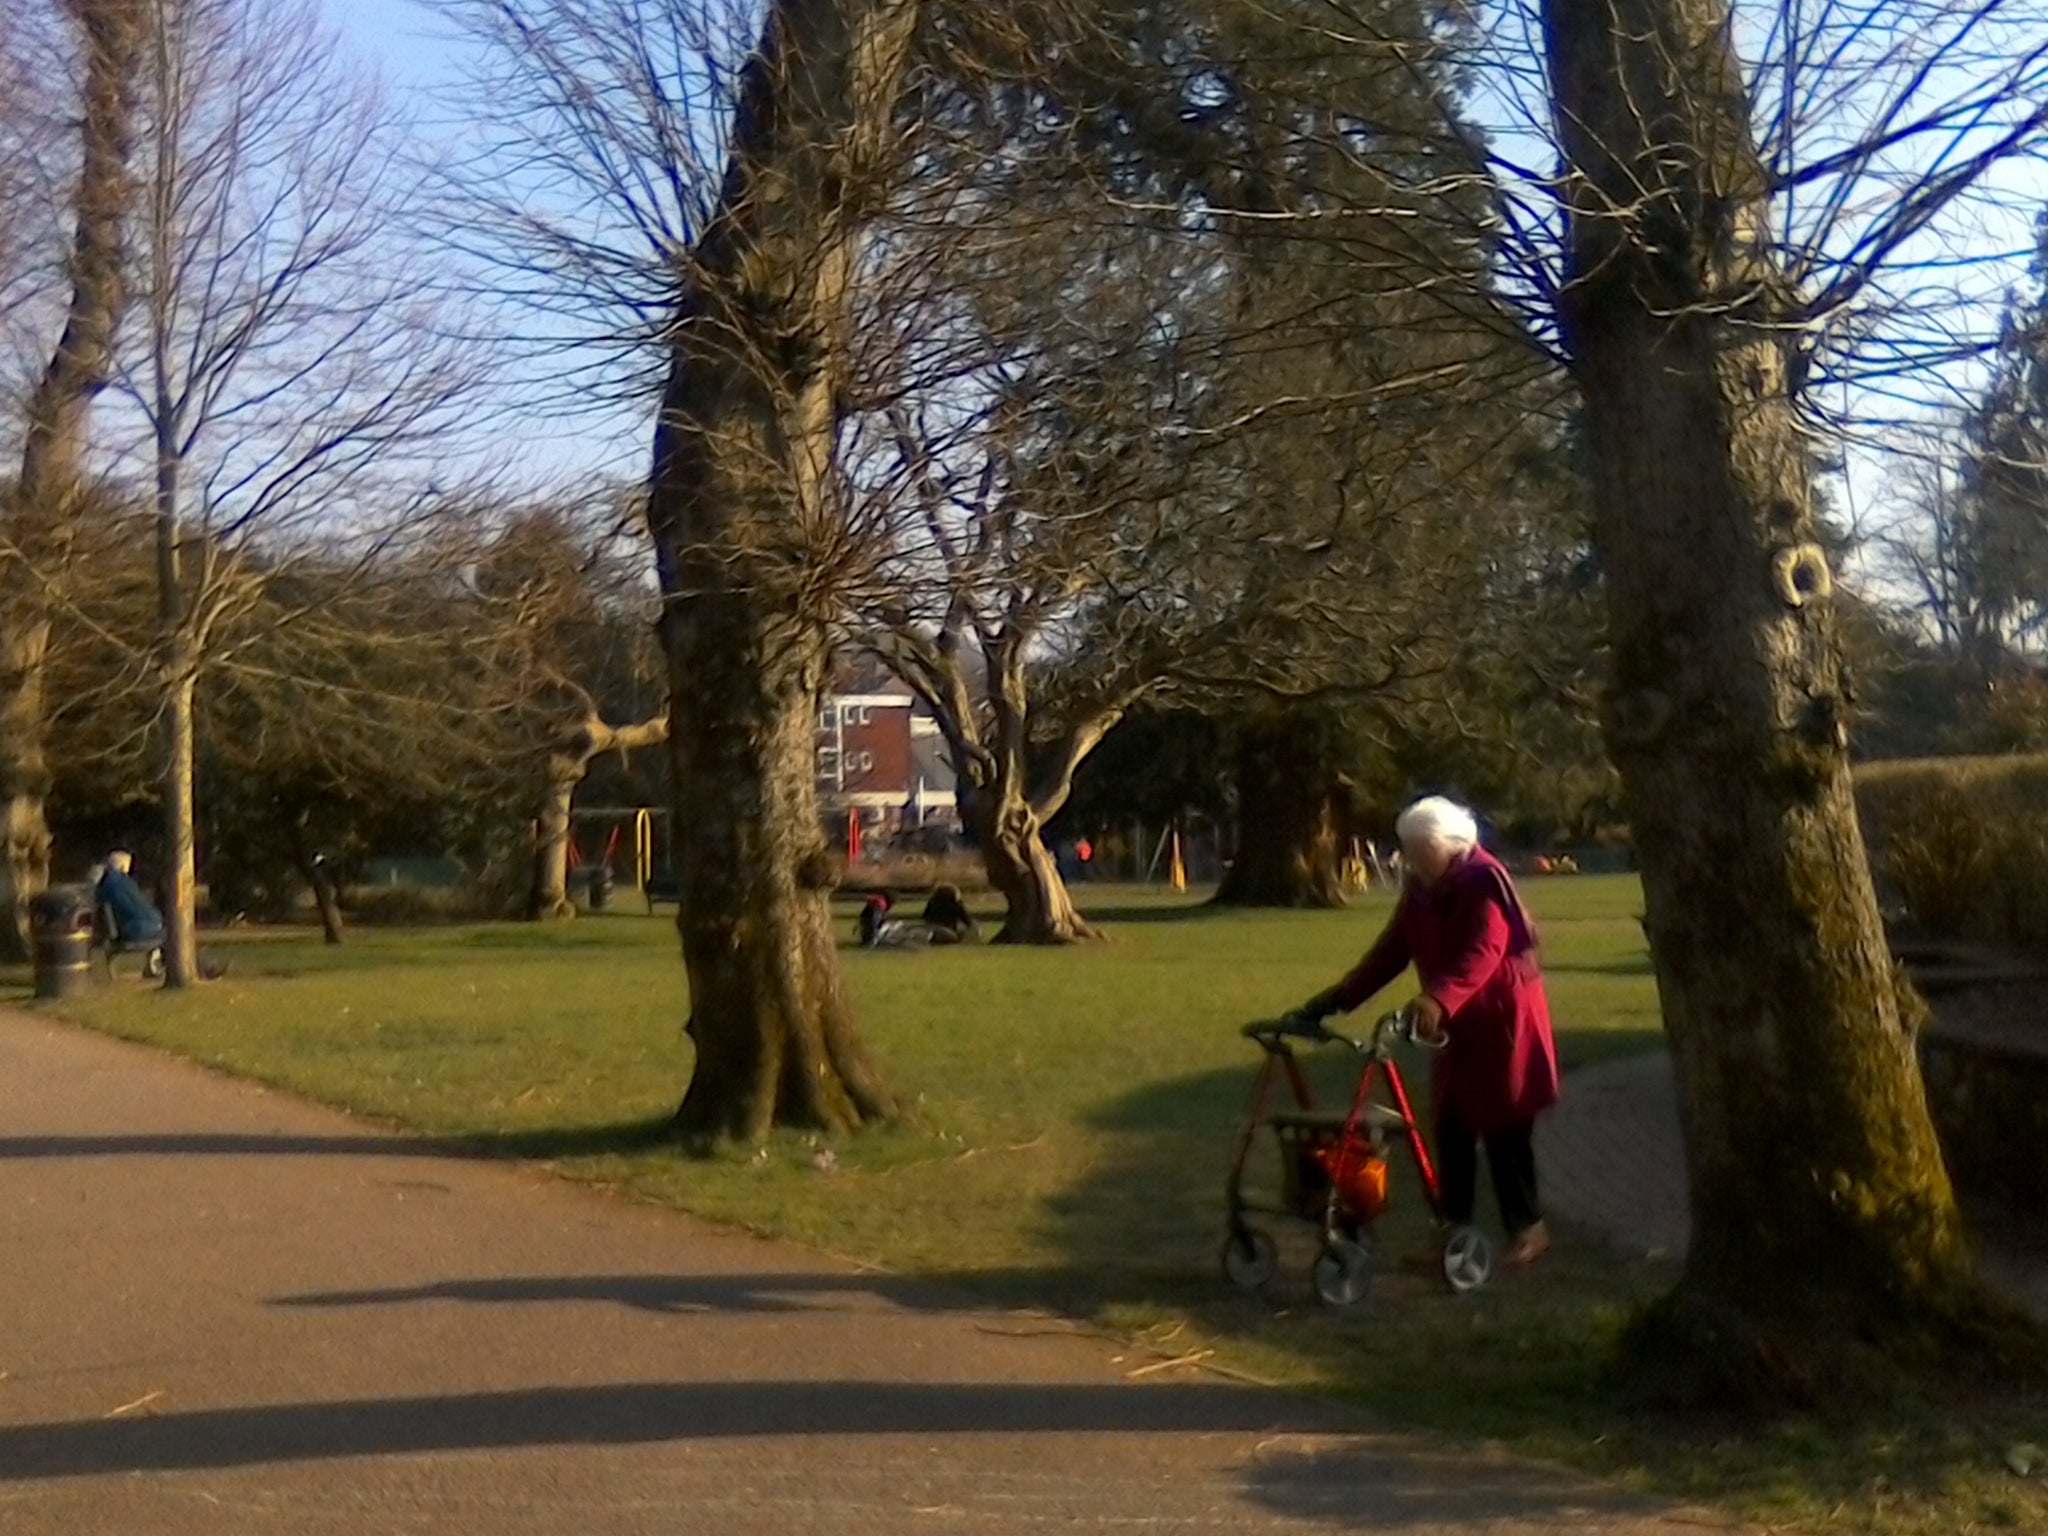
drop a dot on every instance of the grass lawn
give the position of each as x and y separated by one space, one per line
1069 1125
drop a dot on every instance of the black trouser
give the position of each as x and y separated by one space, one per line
1510 1158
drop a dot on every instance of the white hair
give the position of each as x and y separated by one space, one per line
1436 819
120 861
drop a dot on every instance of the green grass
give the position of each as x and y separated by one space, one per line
1068 1128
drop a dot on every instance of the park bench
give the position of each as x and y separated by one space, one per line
107 940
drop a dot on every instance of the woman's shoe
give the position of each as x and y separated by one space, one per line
1530 1244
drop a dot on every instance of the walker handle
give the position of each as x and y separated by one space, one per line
1291 1026
1399 1025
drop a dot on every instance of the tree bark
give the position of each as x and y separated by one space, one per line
547 899
50 489
1824 1227
568 764
744 520
181 864
1290 820
1038 909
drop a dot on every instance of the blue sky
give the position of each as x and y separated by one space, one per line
414 52
395 35
410 46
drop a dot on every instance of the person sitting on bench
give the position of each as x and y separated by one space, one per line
132 917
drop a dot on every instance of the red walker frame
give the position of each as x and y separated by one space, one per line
1309 1137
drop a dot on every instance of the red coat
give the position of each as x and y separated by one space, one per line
1474 947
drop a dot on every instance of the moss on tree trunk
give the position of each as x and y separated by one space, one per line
1824 1228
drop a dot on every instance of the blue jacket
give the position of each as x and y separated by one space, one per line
135 916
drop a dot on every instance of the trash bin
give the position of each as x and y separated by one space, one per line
60 939
600 888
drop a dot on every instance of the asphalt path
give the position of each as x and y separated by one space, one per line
224 1310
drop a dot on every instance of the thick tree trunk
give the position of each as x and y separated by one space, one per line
1038 907
773 1029
1824 1228
744 521
49 492
1290 820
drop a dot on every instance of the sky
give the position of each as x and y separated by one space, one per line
418 58
397 37
411 48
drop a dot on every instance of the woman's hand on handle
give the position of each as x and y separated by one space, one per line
1426 1018
1321 1006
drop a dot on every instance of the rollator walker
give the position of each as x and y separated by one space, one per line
1334 1164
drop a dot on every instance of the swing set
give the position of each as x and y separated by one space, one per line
645 830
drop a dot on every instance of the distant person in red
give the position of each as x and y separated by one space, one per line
1461 923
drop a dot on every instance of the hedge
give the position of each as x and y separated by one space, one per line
1961 844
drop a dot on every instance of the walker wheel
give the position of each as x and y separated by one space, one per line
1250 1258
1342 1273
153 965
1468 1259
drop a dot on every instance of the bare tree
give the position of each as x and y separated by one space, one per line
563 594
49 495
1208 427
282 362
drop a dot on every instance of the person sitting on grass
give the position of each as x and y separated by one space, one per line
948 919
876 929
1461 923
134 918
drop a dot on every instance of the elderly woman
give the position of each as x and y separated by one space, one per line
1462 925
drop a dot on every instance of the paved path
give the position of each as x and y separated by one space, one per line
1610 1157
222 1310
1611 1160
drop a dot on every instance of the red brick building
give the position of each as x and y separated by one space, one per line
880 755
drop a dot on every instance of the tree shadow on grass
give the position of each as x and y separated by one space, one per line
1125 911
1525 1361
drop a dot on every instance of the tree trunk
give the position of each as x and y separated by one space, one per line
327 899
1823 1223
50 490
568 765
181 874
178 674
547 900
1039 909
318 874
744 521
24 770
1290 820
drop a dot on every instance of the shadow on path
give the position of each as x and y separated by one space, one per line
1315 1476
622 1414
797 1291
